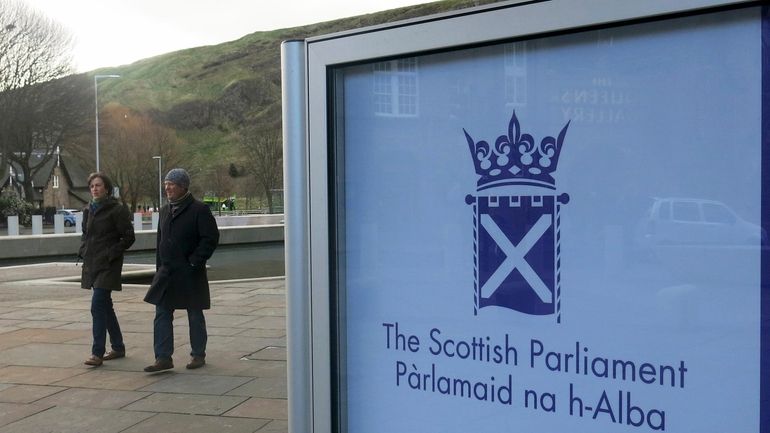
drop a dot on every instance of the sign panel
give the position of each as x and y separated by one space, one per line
560 234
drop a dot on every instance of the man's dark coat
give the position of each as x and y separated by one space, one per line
107 234
185 241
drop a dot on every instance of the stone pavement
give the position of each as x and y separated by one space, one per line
45 337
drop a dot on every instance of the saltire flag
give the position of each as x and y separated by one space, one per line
517 253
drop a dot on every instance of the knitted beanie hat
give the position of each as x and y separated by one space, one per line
179 176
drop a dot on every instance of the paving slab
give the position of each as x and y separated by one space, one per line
193 404
275 426
42 324
28 314
45 355
225 364
96 398
263 333
271 311
76 326
10 322
177 423
234 309
12 412
267 368
269 354
100 378
76 420
23 374
42 336
196 384
27 393
242 345
267 387
261 408
266 322
223 320
230 297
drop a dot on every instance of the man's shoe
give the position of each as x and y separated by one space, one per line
114 354
196 362
160 365
93 360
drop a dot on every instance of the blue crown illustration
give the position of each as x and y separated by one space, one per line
515 158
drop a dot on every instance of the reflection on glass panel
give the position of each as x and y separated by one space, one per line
665 211
407 94
716 213
516 73
686 211
407 65
382 94
396 90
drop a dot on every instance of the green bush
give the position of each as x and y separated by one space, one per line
10 205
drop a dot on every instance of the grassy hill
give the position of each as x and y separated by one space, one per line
209 93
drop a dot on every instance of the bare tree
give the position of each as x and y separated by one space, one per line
263 154
131 139
37 111
33 48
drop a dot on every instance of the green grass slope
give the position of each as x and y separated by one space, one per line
209 93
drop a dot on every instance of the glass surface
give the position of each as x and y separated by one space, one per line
609 277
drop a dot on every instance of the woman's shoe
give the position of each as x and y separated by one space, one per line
94 360
114 354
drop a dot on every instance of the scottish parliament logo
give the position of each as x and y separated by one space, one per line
516 211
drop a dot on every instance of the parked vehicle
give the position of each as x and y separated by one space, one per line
690 221
70 216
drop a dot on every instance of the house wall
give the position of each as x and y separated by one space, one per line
57 196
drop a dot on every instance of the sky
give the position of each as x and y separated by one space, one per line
117 32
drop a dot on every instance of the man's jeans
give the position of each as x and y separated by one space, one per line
163 340
104 321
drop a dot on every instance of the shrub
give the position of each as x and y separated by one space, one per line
10 204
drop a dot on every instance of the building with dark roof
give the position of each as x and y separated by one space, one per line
60 183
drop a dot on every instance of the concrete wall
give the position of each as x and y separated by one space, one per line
14 247
248 220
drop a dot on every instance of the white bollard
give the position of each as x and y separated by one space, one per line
79 222
37 224
13 225
58 224
137 221
155 220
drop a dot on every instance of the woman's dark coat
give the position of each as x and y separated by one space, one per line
107 234
186 240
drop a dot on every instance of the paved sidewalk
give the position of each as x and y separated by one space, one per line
45 337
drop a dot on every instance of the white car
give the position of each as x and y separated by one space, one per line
689 221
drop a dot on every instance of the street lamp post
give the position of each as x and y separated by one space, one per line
96 105
160 183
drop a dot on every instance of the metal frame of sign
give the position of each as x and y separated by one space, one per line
309 125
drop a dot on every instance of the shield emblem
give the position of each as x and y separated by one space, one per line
516 244
516 235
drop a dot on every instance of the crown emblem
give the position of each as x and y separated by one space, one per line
515 158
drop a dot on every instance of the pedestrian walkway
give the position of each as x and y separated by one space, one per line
45 337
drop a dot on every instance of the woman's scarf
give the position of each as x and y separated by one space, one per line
96 203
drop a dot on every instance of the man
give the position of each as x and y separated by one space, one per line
187 237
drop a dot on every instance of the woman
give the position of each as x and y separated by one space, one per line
107 234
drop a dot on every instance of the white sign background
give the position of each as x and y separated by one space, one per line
669 110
